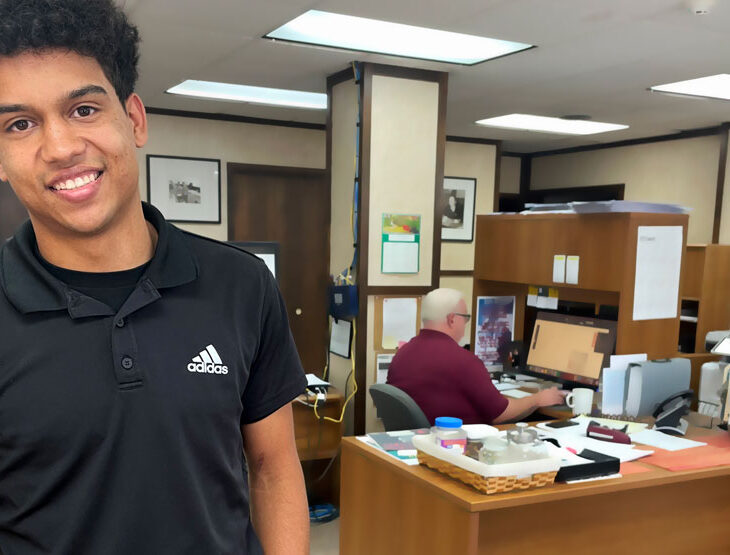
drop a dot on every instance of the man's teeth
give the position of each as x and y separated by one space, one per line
75 183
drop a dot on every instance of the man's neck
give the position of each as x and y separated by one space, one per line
443 329
121 247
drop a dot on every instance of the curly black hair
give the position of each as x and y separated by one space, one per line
94 28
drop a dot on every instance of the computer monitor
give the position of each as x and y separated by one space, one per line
570 350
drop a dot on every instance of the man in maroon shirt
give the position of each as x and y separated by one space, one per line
445 379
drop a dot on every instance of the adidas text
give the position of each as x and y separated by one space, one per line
207 368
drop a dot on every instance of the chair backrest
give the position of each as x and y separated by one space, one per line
397 409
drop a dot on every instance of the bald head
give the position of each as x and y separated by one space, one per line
444 310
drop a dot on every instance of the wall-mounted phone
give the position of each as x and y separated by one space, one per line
669 413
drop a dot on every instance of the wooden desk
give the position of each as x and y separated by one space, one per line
388 507
317 442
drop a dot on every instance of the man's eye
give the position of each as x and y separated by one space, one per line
20 125
84 111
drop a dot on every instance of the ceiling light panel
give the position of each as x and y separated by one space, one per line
395 39
254 95
545 124
714 86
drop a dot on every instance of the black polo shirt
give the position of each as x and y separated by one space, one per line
120 432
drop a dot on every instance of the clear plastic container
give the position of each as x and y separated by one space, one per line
520 444
449 434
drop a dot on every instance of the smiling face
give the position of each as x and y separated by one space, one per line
67 144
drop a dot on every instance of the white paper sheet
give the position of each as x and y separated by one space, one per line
399 321
532 300
400 258
506 386
661 440
572 267
658 264
340 338
559 268
382 362
516 393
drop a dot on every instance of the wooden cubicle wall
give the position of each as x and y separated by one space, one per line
516 251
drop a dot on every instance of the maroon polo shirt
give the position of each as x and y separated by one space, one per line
445 379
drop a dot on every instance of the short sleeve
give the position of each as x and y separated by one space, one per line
276 375
483 396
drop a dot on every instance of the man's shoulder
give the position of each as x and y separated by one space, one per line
228 256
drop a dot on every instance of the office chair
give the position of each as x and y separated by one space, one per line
397 409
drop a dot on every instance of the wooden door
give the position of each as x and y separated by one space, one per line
292 207
12 213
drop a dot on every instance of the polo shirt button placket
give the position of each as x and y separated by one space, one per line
120 322
127 363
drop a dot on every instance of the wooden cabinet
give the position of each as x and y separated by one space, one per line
705 294
513 252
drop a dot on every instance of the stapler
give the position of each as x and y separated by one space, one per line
669 413
604 433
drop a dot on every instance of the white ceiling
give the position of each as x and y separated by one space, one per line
594 57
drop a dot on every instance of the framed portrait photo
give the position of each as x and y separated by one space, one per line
185 189
457 218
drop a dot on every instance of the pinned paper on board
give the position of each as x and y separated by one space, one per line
495 324
341 337
400 319
559 268
572 267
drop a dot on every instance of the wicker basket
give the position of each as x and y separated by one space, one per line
492 484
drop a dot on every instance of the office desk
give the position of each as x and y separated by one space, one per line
317 442
388 507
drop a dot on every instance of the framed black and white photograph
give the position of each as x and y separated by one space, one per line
185 189
457 218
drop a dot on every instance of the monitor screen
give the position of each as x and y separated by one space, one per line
268 251
570 349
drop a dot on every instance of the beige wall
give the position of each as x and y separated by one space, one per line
344 127
402 167
230 142
681 172
469 160
509 174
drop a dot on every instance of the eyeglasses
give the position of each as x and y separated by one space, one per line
467 317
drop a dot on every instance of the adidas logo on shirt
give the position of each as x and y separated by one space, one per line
208 362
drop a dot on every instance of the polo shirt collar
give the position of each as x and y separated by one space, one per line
31 288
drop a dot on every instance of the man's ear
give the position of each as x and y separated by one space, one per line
138 116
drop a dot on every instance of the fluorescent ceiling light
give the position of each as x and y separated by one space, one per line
384 37
254 95
714 86
550 125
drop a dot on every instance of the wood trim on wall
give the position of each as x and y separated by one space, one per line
722 164
525 176
472 140
457 273
497 177
688 134
234 118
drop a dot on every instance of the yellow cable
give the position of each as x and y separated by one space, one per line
354 386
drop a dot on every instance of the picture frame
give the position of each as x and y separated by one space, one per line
185 189
457 217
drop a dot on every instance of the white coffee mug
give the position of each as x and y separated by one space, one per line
580 400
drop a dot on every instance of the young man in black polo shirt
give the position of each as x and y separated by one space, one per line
137 362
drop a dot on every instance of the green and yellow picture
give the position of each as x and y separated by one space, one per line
401 223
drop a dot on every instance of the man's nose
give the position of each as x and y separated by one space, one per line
61 143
